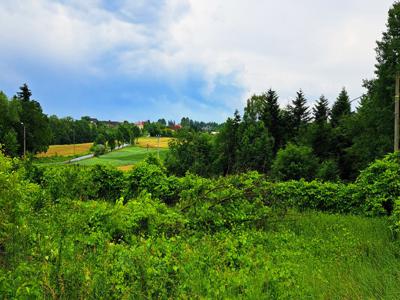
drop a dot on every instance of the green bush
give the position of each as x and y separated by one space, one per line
152 178
98 149
379 185
224 203
316 195
294 162
109 182
72 181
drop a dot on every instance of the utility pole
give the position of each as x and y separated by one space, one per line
396 113
74 141
158 146
22 123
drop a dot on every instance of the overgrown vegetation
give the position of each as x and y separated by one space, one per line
278 205
93 232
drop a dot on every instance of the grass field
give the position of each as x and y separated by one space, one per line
82 149
125 157
66 150
152 142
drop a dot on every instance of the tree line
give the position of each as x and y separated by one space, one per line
298 141
22 114
21 111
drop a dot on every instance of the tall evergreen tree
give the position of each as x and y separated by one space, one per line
24 93
300 109
300 113
319 134
38 133
340 108
373 124
271 116
321 110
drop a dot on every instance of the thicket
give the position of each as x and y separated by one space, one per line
95 232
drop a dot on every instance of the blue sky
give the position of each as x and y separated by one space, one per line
139 60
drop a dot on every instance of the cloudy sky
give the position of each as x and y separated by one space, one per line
146 59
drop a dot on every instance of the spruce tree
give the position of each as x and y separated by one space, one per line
320 132
38 132
340 108
300 113
271 116
321 110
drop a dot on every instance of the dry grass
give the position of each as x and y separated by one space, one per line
125 168
66 150
152 142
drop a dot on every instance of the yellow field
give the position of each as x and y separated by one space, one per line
66 150
125 168
152 142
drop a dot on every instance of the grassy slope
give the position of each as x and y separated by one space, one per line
67 150
123 157
124 160
152 142
300 256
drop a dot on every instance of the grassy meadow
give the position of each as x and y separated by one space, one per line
152 142
66 150
123 158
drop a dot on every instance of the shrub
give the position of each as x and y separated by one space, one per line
74 182
323 196
151 178
379 185
294 162
109 182
98 149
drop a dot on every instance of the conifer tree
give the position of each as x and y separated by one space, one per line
340 108
373 123
37 129
300 113
271 116
321 110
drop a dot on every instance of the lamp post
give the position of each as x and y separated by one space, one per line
158 146
22 123
396 113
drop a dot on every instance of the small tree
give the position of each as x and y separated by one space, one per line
295 162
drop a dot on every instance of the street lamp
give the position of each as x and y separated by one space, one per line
158 146
22 123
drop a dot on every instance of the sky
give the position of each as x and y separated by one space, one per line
149 59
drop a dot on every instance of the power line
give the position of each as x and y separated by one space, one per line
356 98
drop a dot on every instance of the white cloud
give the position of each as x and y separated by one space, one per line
317 45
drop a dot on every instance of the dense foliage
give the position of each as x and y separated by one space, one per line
277 205
95 232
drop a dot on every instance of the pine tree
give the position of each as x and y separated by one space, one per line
319 134
321 110
38 132
25 93
340 108
300 113
271 116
